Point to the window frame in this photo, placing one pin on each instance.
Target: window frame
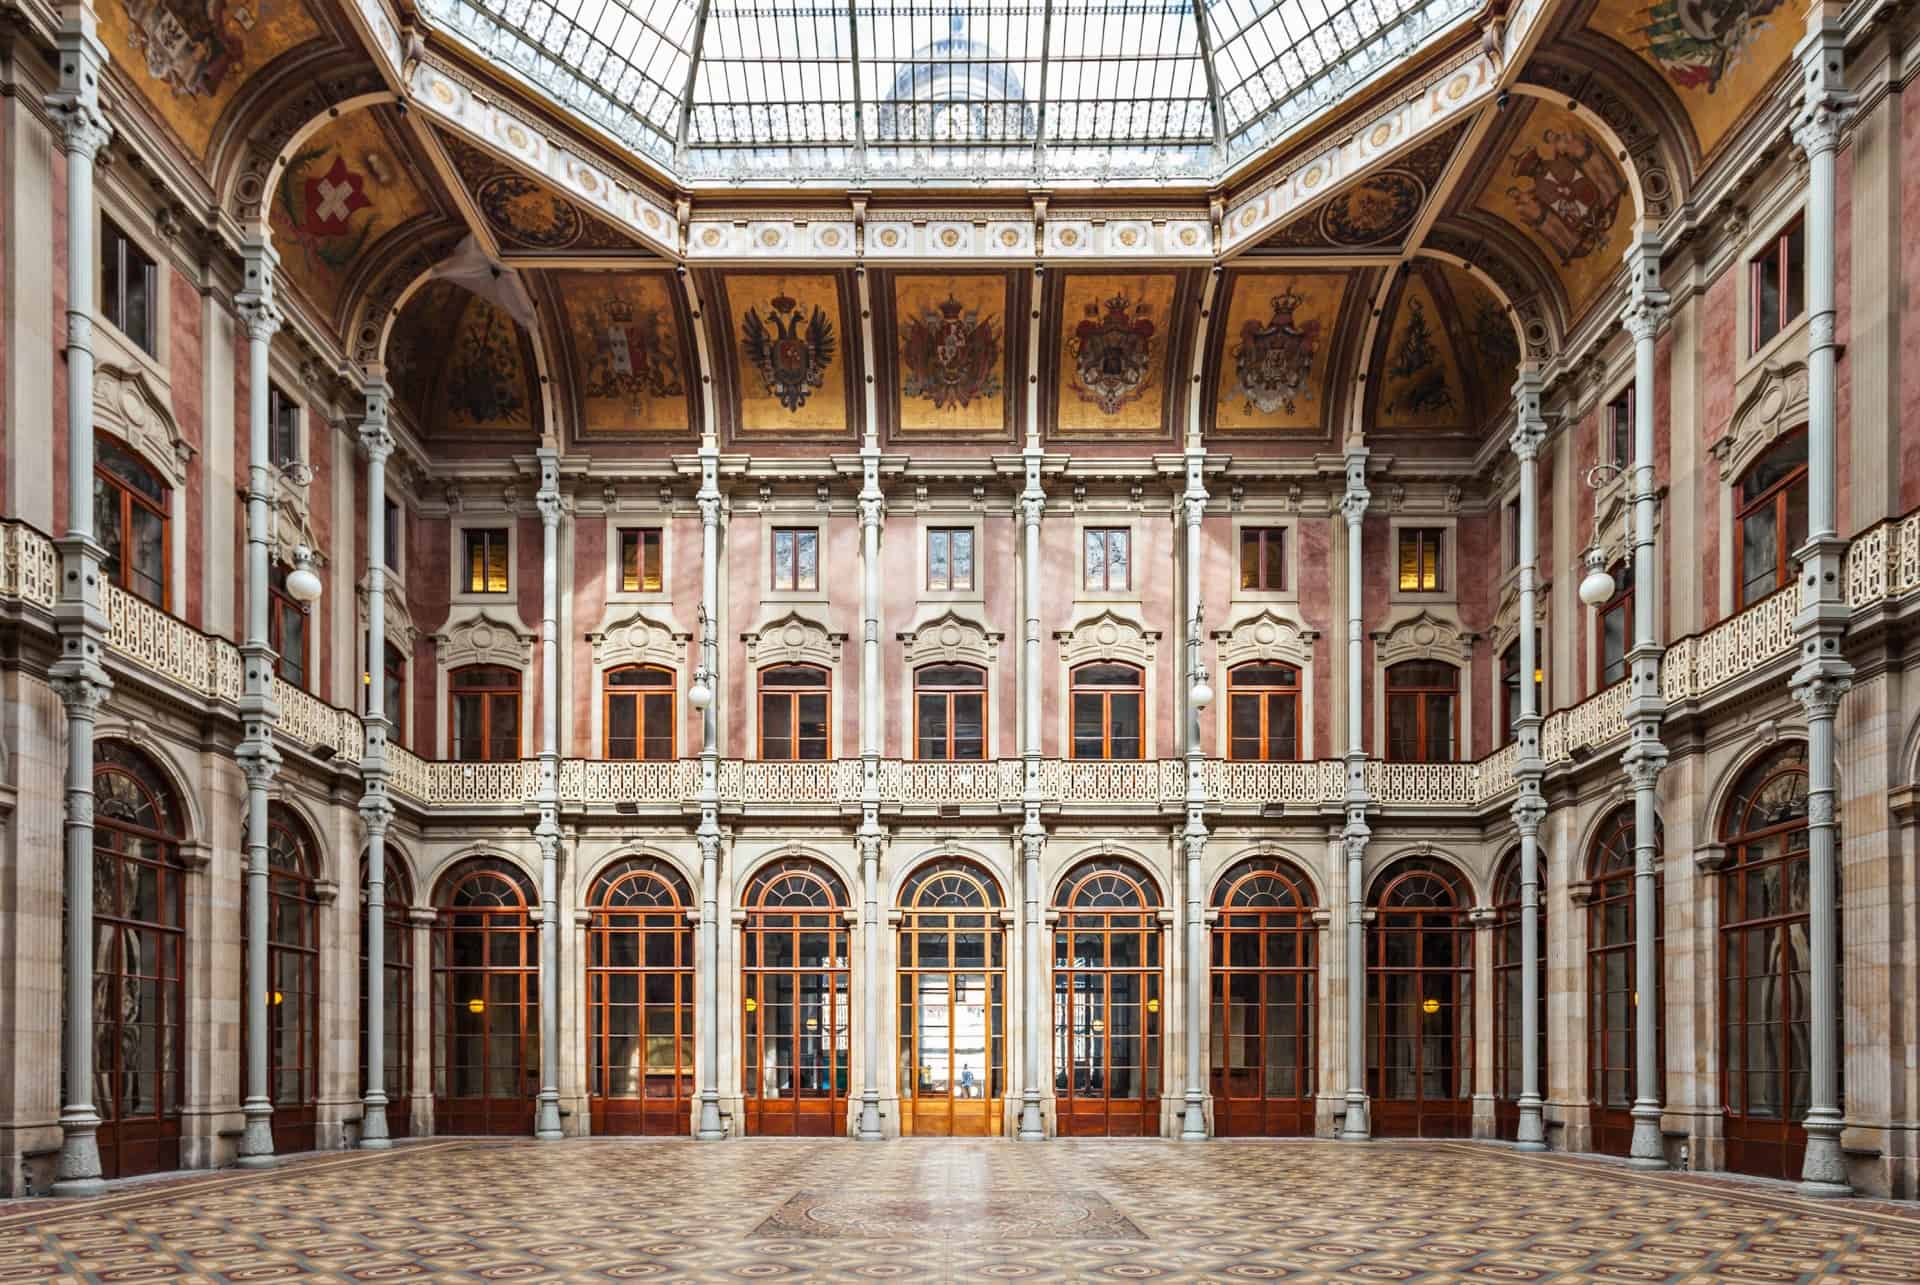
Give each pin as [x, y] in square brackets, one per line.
[1420, 710]
[490, 695]
[1419, 534]
[278, 602]
[395, 679]
[1616, 430]
[128, 253]
[1777, 253]
[1510, 691]
[799, 534]
[1262, 535]
[486, 531]
[1265, 693]
[640, 536]
[792, 695]
[1108, 536]
[394, 524]
[285, 416]
[951, 693]
[1776, 497]
[128, 498]
[1621, 602]
[609, 693]
[1138, 690]
[953, 584]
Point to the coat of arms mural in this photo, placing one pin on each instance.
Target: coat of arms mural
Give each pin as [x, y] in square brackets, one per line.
[790, 346]
[627, 347]
[950, 355]
[1273, 346]
[789, 371]
[1559, 186]
[636, 358]
[1273, 359]
[1113, 348]
[342, 192]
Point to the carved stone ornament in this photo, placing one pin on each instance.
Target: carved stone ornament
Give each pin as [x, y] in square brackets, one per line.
[1776, 403]
[793, 640]
[1107, 636]
[127, 405]
[639, 639]
[1424, 637]
[1265, 636]
[484, 639]
[401, 631]
[951, 639]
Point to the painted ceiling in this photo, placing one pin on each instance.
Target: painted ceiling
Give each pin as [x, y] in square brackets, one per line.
[524, 215]
[462, 367]
[1446, 355]
[625, 346]
[1376, 212]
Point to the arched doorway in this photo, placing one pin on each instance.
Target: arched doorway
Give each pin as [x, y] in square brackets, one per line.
[796, 1054]
[1420, 1002]
[1106, 1002]
[293, 981]
[953, 1002]
[139, 963]
[1264, 1002]
[1509, 1026]
[486, 1000]
[396, 994]
[1765, 967]
[640, 966]
[1612, 1043]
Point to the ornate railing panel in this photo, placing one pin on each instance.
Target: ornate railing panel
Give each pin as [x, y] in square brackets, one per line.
[407, 773]
[1424, 784]
[913, 783]
[482, 784]
[1312, 782]
[165, 644]
[1085, 781]
[29, 566]
[1743, 643]
[811, 783]
[601, 781]
[1884, 562]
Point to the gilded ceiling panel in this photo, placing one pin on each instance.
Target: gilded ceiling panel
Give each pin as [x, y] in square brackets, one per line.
[1376, 212]
[1418, 376]
[461, 365]
[787, 354]
[1115, 333]
[524, 214]
[951, 336]
[1275, 349]
[628, 351]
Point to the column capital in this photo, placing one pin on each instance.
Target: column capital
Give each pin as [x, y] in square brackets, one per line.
[75, 101]
[1646, 309]
[1818, 687]
[1826, 105]
[376, 433]
[259, 311]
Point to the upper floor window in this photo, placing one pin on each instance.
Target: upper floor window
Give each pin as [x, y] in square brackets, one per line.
[1263, 712]
[795, 705]
[1263, 558]
[390, 515]
[1510, 531]
[1420, 559]
[638, 718]
[129, 285]
[1776, 284]
[283, 427]
[287, 627]
[487, 559]
[1771, 521]
[1423, 699]
[950, 713]
[796, 558]
[1107, 720]
[950, 558]
[394, 677]
[1616, 430]
[486, 713]
[130, 520]
[1616, 625]
[1109, 559]
[641, 567]
[1510, 688]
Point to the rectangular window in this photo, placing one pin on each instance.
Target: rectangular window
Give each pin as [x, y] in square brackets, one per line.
[950, 558]
[1777, 284]
[283, 427]
[1616, 626]
[639, 713]
[1616, 445]
[487, 560]
[129, 285]
[1420, 559]
[640, 564]
[1109, 559]
[486, 714]
[1263, 558]
[391, 517]
[395, 687]
[286, 628]
[1510, 520]
[796, 558]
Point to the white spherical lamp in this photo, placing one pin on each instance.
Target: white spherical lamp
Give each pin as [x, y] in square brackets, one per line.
[1202, 693]
[1597, 589]
[700, 695]
[303, 586]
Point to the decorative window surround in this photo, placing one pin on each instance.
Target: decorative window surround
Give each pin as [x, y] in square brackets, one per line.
[1264, 636]
[949, 639]
[1423, 636]
[130, 404]
[110, 342]
[1114, 520]
[1289, 524]
[475, 636]
[795, 640]
[1107, 635]
[1790, 344]
[1448, 594]
[457, 554]
[634, 638]
[1775, 403]
[633, 520]
[926, 522]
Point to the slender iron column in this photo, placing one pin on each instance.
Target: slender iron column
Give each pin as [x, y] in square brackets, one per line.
[258, 758]
[1353, 506]
[546, 1118]
[376, 808]
[1530, 808]
[710, 1128]
[80, 676]
[1193, 1127]
[1824, 674]
[872, 509]
[1645, 755]
[1033, 835]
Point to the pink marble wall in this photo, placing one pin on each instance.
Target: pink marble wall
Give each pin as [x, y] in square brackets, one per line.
[1909, 400]
[1546, 571]
[1316, 608]
[1843, 330]
[1479, 556]
[320, 678]
[428, 595]
[55, 359]
[529, 598]
[590, 590]
[1584, 440]
[1662, 439]
[187, 352]
[1376, 580]
[744, 574]
[1719, 340]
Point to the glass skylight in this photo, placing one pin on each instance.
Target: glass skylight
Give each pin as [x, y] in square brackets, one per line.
[902, 91]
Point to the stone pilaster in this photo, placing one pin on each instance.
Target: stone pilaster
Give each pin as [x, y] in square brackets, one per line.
[706, 678]
[1355, 834]
[1193, 842]
[546, 832]
[1530, 806]
[872, 512]
[1033, 835]
[376, 808]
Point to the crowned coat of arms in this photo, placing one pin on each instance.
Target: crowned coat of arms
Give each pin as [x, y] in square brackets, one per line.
[791, 350]
[1698, 41]
[634, 357]
[949, 355]
[1570, 194]
[190, 47]
[1113, 349]
[1273, 359]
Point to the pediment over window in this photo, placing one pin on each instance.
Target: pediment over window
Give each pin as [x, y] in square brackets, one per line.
[484, 639]
[1423, 637]
[401, 631]
[1777, 403]
[1107, 635]
[639, 639]
[951, 639]
[1264, 636]
[127, 404]
[793, 640]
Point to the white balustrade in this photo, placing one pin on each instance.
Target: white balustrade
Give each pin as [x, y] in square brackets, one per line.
[1279, 783]
[1738, 646]
[911, 783]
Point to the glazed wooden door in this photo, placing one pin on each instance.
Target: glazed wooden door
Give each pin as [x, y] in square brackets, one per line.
[952, 1003]
[486, 1002]
[1261, 1023]
[1420, 1003]
[640, 966]
[1509, 1027]
[1612, 1038]
[395, 998]
[797, 1045]
[1107, 976]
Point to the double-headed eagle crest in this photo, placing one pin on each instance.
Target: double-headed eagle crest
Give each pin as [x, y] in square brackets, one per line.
[791, 351]
[949, 355]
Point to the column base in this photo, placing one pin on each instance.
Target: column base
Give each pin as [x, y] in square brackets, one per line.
[1354, 1126]
[1647, 1150]
[1033, 1124]
[869, 1128]
[710, 1129]
[1824, 1172]
[256, 1139]
[1532, 1133]
[76, 1170]
[373, 1124]
[1193, 1120]
[546, 1119]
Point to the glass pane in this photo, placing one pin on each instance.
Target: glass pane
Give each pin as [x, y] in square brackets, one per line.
[1759, 554]
[932, 721]
[969, 726]
[1249, 559]
[776, 727]
[629, 561]
[623, 720]
[1096, 560]
[1124, 715]
[1119, 554]
[812, 725]
[939, 571]
[657, 725]
[783, 559]
[651, 568]
[808, 571]
[1089, 725]
[145, 554]
[963, 559]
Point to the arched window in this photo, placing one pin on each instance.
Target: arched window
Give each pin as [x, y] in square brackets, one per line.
[293, 981]
[1612, 998]
[1765, 921]
[396, 993]
[1423, 716]
[950, 713]
[796, 705]
[130, 505]
[485, 713]
[1509, 1029]
[1510, 688]
[486, 1000]
[1263, 1001]
[139, 963]
[1106, 1001]
[1107, 720]
[640, 964]
[638, 718]
[953, 1001]
[797, 1022]
[1770, 520]
[1420, 1002]
[1616, 625]
[1263, 712]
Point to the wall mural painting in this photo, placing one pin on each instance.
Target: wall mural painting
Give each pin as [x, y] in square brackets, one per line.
[1558, 185]
[525, 214]
[1717, 55]
[189, 60]
[347, 187]
[1491, 348]
[486, 379]
[952, 333]
[788, 339]
[628, 350]
[1273, 362]
[1113, 351]
[1420, 384]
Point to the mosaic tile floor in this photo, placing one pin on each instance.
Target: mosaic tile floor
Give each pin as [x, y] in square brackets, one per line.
[961, 1210]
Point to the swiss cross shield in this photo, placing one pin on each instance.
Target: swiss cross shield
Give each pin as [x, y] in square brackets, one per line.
[332, 198]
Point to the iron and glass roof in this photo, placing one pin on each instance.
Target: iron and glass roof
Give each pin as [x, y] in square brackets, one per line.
[906, 91]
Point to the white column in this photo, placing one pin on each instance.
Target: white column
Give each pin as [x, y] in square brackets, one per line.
[1193, 1124]
[1645, 755]
[546, 1117]
[1824, 674]
[1530, 807]
[376, 808]
[1033, 835]
[79, 675]
[872, 509]
[1353, 506]
[706, 678]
